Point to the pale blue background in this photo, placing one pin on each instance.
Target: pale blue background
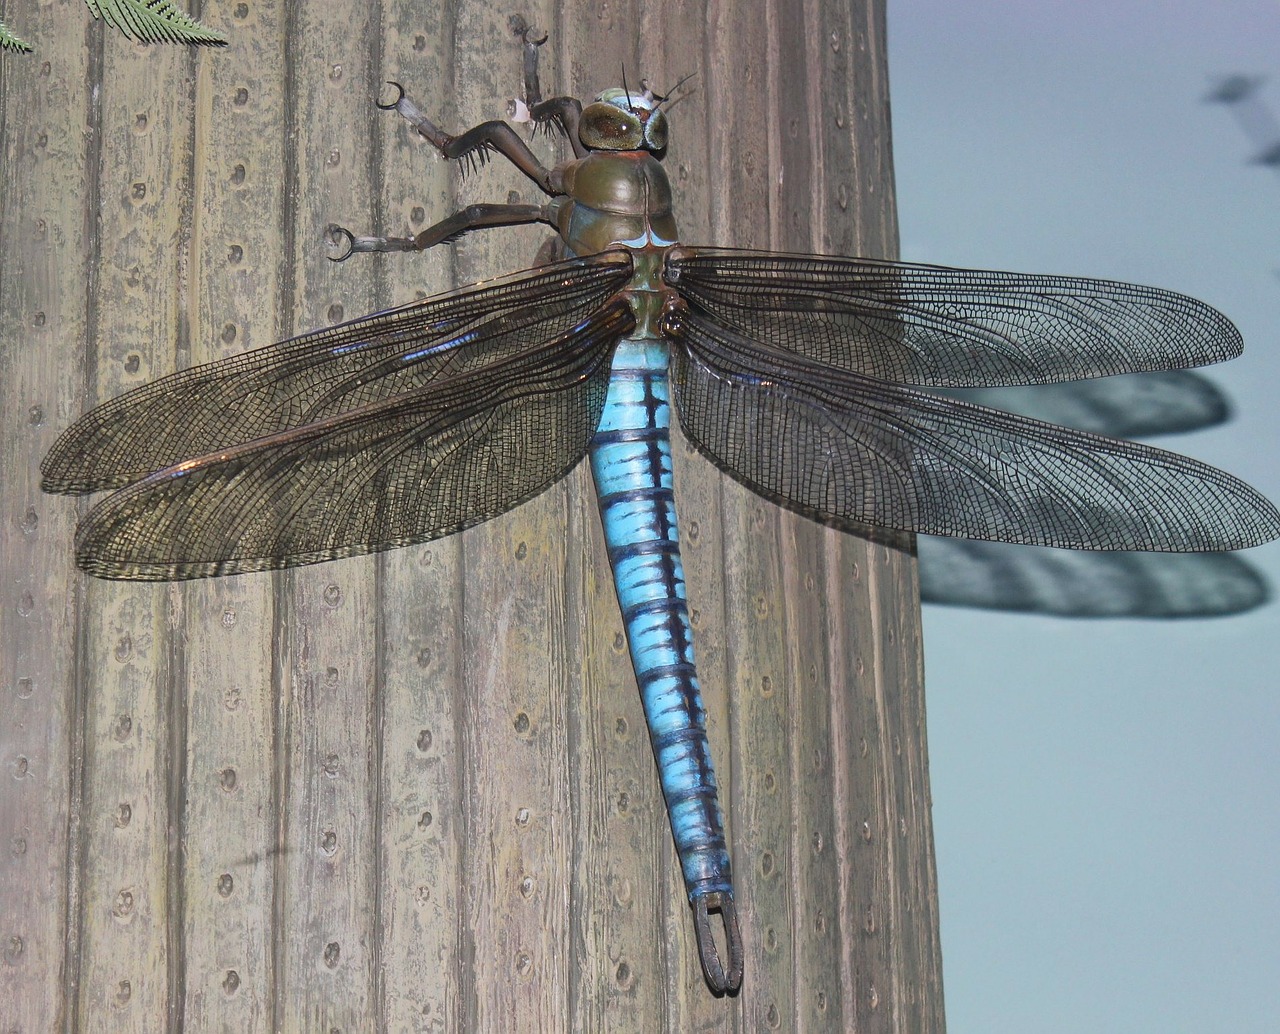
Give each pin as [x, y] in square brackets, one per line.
[1106, 793]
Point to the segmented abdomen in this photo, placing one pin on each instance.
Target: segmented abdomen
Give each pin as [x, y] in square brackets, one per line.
[631, 461]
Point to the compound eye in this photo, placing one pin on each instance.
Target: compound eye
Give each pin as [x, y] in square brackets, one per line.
[655, 132]
[608, 128]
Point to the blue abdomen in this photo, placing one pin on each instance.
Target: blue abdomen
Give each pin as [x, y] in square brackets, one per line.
[631, 461]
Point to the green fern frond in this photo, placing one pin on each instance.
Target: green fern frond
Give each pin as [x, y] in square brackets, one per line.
[154, 21]
[10, 41]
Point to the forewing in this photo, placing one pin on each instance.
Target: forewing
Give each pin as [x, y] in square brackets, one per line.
[422, 464]
[310, 378]
[853, 449]
[941, 327]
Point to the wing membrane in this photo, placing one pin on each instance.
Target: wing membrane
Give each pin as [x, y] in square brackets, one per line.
[406, 469]
[854, 449]
[941, 327]
[310, 378]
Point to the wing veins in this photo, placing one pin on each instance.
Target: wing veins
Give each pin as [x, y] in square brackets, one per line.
[244, 397]
[970, 471]
[937, 326]
[252, 498]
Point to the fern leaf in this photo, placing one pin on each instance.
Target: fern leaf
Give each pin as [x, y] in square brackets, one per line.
[10, 41]
[154, 21]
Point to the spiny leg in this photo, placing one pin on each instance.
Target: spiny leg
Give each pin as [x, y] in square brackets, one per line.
[561, 112]
[446, 231]
[475, 144]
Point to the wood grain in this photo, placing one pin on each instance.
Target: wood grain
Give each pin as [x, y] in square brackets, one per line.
[415, 792]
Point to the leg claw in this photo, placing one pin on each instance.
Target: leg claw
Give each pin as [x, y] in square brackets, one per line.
[335, 236]
[395, 103]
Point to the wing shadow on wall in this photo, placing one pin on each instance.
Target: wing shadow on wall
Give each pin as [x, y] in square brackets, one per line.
[1067, 583]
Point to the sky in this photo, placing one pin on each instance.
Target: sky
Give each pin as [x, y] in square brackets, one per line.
[1106, 792]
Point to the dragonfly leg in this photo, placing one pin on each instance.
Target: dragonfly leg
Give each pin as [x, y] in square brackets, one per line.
[475, 145]
[721, 979]
[446, 231]
[340, 235]
[561, 112]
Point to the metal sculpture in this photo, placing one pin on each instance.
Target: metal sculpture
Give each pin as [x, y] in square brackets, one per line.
[790, 372]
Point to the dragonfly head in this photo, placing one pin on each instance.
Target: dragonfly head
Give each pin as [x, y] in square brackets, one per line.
[624, 120]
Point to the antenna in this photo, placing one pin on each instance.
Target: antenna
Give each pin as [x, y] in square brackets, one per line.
[630, 106]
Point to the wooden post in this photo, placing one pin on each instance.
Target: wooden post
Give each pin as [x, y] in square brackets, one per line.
[415, 792]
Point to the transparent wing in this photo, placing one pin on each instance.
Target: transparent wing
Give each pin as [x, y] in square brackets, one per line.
[854, 449]
[405, 469]
[310, 378]
[941, 327]
[1070, 583]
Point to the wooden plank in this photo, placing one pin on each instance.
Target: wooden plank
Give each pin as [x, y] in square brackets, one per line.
[760, 692]
[514, 626]
[130, 959]
[45, 269]
[890, 898]
[238, 257]
[327, 924]
[804, 156]
[421, 879]
[415, 791]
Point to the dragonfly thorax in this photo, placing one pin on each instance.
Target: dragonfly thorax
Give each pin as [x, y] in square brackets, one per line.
[614, 198]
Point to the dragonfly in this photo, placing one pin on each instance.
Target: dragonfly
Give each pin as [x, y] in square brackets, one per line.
[802, 376]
